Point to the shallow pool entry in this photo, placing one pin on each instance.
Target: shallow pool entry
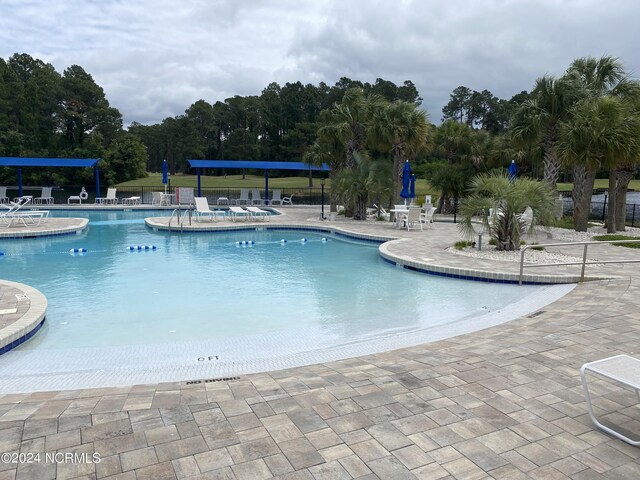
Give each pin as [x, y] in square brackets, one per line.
[205, 304]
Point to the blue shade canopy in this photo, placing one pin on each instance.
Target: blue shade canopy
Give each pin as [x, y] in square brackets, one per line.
[259, 164]
[47, 162]
[406, 180]
[412, 186]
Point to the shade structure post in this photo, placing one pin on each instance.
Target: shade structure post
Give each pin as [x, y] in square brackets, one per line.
[199, 185]
[266, 186]
[322, 198]
[19, 181]
[97, 173]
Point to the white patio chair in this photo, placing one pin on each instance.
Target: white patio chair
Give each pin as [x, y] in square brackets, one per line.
[156, 198]
[259, 213]
[3, 195]
[256, 199]
[202, 210]
[412, 218]
[277, 197]
[427, 216]
[244, 197]
[287, 200]
[526, 218]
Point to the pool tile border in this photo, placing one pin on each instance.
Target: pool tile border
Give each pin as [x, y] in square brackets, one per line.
[384, 241]
[29, 323]
[42, 231]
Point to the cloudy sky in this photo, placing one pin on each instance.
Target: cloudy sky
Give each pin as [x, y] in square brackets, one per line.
[154, 58]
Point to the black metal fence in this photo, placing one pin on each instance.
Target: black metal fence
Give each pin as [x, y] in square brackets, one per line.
[598, 211]
[300, 195]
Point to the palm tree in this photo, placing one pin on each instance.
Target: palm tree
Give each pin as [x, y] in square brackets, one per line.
[451, 180]
[347, 122]
[536, 121]
[606, 77]
[601, 134]
[365, 180]
[344, 128]
[402, 128]
[509, 200]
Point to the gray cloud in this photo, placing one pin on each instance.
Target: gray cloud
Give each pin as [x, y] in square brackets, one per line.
[155, 58]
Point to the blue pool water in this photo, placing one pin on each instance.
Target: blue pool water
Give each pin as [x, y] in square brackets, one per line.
[203, 288]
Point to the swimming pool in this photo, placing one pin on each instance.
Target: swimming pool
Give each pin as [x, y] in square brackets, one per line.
[201, 304]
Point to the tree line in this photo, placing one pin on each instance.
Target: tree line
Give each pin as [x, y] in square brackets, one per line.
[278, 125]
[578, 125]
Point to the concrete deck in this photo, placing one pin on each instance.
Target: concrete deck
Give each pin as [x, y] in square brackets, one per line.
[505, 402]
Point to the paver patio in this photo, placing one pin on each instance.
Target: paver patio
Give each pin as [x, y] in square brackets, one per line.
[503, 403]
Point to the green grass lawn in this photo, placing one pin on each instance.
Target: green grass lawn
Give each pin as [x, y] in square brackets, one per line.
[599, 183]
[250, 181]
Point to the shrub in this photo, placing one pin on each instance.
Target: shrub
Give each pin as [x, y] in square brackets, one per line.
[461, 245]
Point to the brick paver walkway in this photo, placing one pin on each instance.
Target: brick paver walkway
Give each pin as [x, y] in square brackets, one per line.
[503, 403]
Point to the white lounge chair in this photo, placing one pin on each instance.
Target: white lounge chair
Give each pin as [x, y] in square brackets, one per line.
[379, 211]
[256, 199]
[45, 197]
[277, 197]
[244, 197]
[202, 210]
[619, 369]
[83, 195]
[412, 218]
[110, 199]
[135, 200]
[10, 209]
[28, 218]
[239, 212]
[3, 195]
[259, 213]
[287, 200]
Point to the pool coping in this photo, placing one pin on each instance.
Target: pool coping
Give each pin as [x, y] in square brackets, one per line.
[31, 320]
[386, 241]
[48, 228]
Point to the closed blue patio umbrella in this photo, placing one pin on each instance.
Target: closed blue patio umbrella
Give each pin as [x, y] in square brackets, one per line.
[512, 170]
[165, 174]
[406, 182]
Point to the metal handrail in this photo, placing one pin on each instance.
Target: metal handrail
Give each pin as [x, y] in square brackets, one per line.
[181, 215]
[584, 256]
